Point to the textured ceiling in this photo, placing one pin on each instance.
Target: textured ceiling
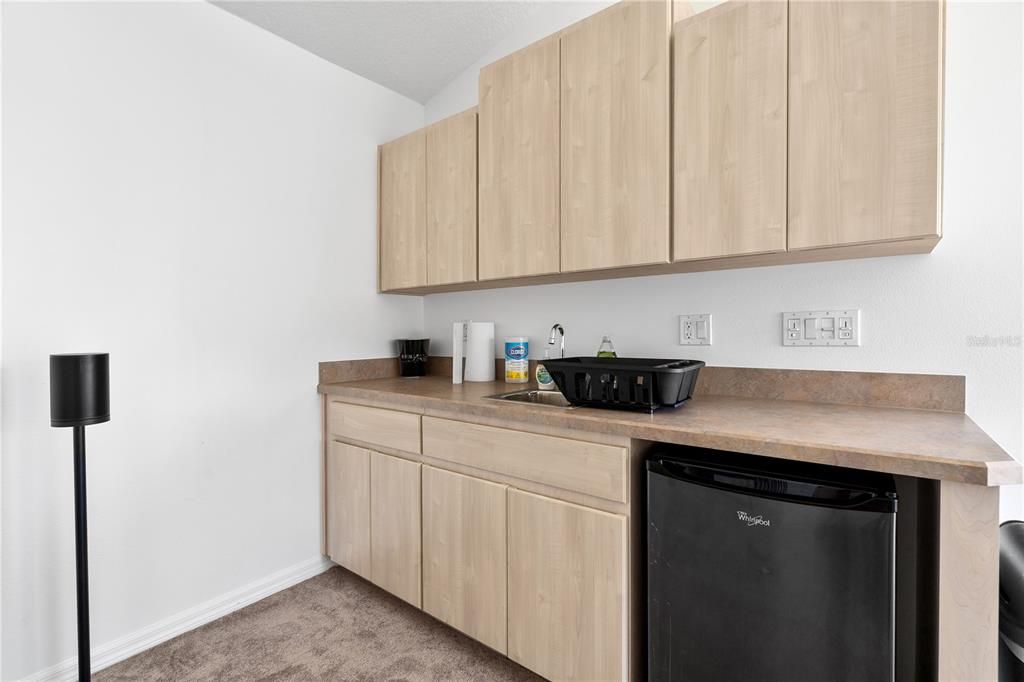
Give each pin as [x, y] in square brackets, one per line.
[414, 48]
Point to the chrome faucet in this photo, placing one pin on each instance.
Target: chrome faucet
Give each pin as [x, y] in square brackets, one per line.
[551, 339]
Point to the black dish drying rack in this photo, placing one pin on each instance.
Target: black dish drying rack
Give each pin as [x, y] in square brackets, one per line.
[644, 384]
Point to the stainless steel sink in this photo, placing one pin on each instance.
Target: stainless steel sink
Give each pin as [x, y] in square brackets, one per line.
[534, 397]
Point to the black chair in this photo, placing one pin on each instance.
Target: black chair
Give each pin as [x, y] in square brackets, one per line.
[1011, 601]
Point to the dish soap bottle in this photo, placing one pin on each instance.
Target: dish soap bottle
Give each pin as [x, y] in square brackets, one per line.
[606, 349]
[544, 380]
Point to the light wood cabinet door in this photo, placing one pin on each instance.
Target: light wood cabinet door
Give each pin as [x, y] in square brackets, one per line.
[615, 138]
[865, 110]
[395, 526]
[403, 212]
[348, 507]
[519, 163]
[464, 554]
[451, 199]
[729, 131]
[567, 592]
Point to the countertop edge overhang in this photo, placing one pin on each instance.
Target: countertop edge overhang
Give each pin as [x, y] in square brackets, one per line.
[928, 444]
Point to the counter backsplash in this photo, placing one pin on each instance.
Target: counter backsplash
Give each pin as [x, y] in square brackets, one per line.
[945, 393]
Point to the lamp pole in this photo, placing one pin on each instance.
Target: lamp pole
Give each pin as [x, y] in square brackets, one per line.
[80, 396]
[82, 558]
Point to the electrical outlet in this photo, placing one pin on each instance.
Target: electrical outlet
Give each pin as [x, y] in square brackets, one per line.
[695, 330]
[821, 328]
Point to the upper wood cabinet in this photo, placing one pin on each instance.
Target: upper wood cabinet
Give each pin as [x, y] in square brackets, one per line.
[395, 526]
[402, 212]
[465, 561]
[451, 199]
[615, 138]
[519, 164]
[760, 133]
[347, 506]
[865, 113]
[428, 210]
[729, 131]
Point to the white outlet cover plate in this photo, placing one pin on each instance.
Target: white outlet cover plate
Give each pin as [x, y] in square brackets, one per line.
[836, 327]
[695, 330]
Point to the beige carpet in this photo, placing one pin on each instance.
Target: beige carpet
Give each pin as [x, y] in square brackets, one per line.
[335, 626]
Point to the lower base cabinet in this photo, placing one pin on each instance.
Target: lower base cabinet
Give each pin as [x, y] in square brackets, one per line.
[395, 526]
[567, 589]
[465, 562]
[540, 580]
[348, 507]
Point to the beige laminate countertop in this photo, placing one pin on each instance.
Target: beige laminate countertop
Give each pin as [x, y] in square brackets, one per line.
[922, 443]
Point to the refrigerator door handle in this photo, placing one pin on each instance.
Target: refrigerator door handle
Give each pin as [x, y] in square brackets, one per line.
[746, 483]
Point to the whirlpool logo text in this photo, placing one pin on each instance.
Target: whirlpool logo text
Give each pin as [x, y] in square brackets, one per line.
[753, 520]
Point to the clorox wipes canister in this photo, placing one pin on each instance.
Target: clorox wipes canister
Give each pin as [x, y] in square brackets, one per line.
[517, 359]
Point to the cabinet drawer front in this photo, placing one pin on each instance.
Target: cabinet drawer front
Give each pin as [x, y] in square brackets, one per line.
[588, 468]
[398, 430]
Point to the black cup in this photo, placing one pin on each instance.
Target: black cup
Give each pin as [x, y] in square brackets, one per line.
[412, 356]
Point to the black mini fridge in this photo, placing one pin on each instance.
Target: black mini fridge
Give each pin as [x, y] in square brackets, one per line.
[762, 569]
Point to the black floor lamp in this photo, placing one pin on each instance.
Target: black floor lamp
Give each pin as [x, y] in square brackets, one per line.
[80, 396]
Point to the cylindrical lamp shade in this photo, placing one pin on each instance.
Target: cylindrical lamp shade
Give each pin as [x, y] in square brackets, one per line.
[79, 389]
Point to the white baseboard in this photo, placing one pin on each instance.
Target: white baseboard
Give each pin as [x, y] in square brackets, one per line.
[135, 642]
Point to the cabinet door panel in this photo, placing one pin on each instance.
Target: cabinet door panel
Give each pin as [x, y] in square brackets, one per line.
[464, 554]
[615, 138]
[519, 163]
[451, 200]
[729, 131]
[865, 108]
[403, 217]
[348, 507]
[395, 526]
[567, 596]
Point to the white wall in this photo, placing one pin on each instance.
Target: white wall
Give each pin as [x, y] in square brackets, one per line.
[547, 18]
[197, 197]
[918, 311]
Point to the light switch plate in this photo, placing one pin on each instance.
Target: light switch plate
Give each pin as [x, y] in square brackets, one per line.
[695, 330]
[821, 328]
